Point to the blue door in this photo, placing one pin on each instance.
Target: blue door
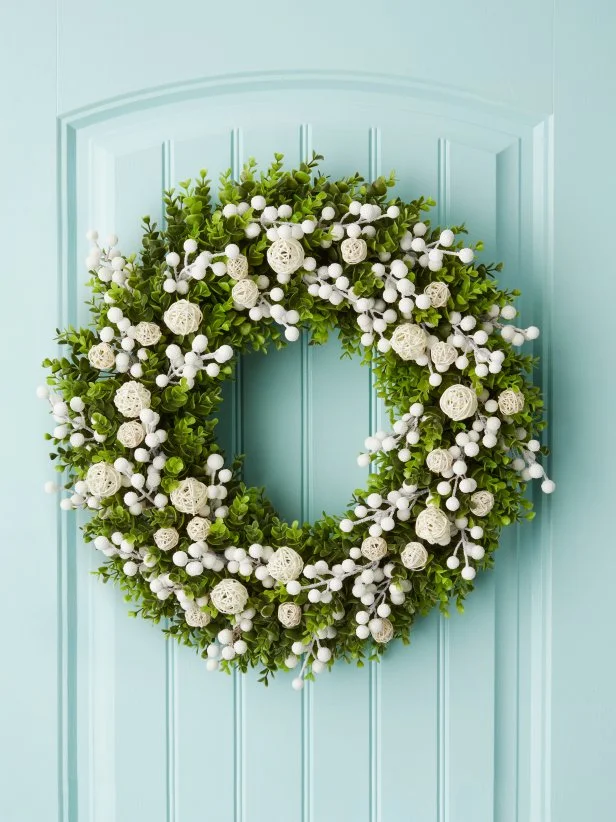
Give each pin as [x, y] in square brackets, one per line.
[503, 115]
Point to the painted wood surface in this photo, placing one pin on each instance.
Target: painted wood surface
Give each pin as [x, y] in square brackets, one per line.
[503, 714]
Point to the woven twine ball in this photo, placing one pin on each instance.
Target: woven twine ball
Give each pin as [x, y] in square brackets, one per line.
[183, 317]
[245, 293]
[439, 460]
[289, 614]
[414, 556]
[381, 629]
[229, 597]
[285, 564]
[198, 528]
[166, 538]
[409, 341]
[147, 333]
[237, 267]
[374, 548]
[131, 434]
[482, 503]
[197, 618]
[285, 256]
[189, 496]
[354, 250]
[433, 526]
[443, 354]
[438, 293]
[103, 480]
[131, 398]
[458, 402]
[101, 356]
[510, 402]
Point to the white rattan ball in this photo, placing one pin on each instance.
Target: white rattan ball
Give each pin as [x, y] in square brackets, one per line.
[285, 256]
[166, 538]
[245, 293]
[147, 333]
[183, 317]
[381, 629]
[510, 402]
[354, 250]
[103, 480]
[190, 496]
[458, 402]
[131, 434]
[229, 597]
[409, 341]
[132, 398]
[237, 267]
[414, 556]
[433, 526]
[285, 564]
[482, 503]
[374, 548]
[439, 460]
[289, 614]
[197, 618]
[438, 294]
[443, 354]
[198, 528]
[101, 356]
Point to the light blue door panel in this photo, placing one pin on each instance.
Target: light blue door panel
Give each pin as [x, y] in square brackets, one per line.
[300, 415]
[503, 714]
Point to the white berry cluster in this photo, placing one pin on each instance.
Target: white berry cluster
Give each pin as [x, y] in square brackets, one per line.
[382, 513]
[107, 262]
[194, 266]
[405, 432]
[123, 349]
[71, 423]
[186, 365]
[527, 464]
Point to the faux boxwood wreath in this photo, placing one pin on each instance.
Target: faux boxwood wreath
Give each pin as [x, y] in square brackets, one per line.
[135, 399]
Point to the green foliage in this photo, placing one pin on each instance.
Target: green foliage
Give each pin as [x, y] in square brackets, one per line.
[188, 415]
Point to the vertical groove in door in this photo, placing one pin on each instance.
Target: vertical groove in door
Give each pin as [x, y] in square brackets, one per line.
[442, 722]
[66, 529]
[92, 735]
[305, 151]
[305, 142]
[509, 604]
[306, 502]
[171, 729]
[375, 422]
[239, 681]
[237, 440]
[236, 158]
[442, 706]
[518, 680]
[171, 740]
[541, 661]
[444, 181]
[374, 417]
[517, 548]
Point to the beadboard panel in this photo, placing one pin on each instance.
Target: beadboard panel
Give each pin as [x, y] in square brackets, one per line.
[504, 714]
[300, 415]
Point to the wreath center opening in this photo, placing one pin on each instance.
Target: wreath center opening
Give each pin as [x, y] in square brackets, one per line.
[288, 414]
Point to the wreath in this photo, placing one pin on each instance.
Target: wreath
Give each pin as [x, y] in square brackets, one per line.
[135, 401]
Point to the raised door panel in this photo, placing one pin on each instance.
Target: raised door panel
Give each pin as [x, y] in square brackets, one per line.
[301, 415]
